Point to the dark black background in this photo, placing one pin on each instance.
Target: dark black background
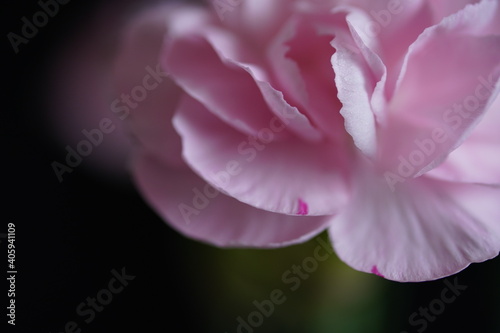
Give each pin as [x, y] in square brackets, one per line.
[71, 235]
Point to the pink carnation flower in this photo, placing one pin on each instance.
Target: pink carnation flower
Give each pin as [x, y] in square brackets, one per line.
[374, 120]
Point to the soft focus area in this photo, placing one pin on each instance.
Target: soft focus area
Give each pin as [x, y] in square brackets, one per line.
[92, 254]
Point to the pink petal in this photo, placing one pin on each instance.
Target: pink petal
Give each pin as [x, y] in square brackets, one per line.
[444, 65]
[388, 27]
[367, 62]
[286, 72]
[267, 174]
[311, 50]
[444, 8]
[356, 52]
[427, 230]
[245, 99]
[138, 69]
[375, 271]
[355, 84]
[198, 211]
[477, 159]
[224, 44]
[241, 18]
[296, 121]
[225, 88]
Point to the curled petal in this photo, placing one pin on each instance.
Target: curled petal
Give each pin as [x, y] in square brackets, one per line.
[268, 174]
[197, 210]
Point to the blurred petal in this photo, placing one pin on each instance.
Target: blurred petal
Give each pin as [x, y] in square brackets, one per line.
[180, 197]
[477, 159]
[80, 90]
[271, 15]
[148, 98]
[444, 8]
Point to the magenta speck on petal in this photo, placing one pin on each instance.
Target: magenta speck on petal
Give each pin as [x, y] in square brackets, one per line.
[376, 272]
[303, 208]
